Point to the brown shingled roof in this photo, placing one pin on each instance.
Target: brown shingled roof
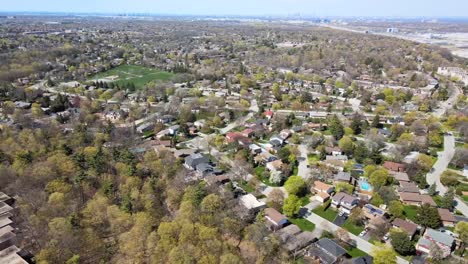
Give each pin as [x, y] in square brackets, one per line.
[409, 227]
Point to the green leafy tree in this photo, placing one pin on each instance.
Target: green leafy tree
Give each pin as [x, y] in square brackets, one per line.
[383, 254]
[462, 230]
[292, 205]
[344, 187]
[379, 178]
[295, 185]
[401, 242]
[347, 145]
[396, 208]
[428, 216]
[336, 127]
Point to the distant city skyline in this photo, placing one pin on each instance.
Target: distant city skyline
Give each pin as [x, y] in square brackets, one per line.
[344, 8]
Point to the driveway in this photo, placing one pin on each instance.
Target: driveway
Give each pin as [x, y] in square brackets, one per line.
[339, 220]
[357, 241]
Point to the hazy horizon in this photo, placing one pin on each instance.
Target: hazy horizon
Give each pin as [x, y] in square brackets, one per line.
[339, 8]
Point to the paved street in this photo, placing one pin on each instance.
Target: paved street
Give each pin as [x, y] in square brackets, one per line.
[440, 166]
[360, 243]
[303, 170]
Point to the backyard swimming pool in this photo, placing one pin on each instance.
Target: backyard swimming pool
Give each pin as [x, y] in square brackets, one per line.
[364, 185]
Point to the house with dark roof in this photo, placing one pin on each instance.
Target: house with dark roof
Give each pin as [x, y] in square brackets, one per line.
[360, 260]
[408, 227]
[342, 177]
[326, 251]
[192, 161]
[372, 212]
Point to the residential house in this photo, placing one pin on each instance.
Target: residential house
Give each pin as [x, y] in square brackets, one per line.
[251, 203]
[396, 120]
[394, 166]
[447, 218]
[334, 151]
[325, 251]
[299, 241]
[268, 114]
[322, 197]
[145, 127]
[173, 130]
[342, 158]
[445, 242]
[275, 219]
[12, 255]
[285, 133]
[265, 157]
[400, 176]
[287, 232]
[408, 227]
[276, 141]
[248, 132]
[192, 161]
[7, 237]
[255, 149]
[372, 212]
[342, 177]
[182, 153]
[274, 166]
[323, 187]
[416, 199]
[408, 187]
[344, 201]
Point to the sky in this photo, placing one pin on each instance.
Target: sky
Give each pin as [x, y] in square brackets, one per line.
[369, 8]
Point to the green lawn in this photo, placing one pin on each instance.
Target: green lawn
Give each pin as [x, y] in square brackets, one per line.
[410, 211]
[328, 214]
[465, 198]
[305, 200]
[356, 252]
[303, 224]
[354, 229]
[138, 75]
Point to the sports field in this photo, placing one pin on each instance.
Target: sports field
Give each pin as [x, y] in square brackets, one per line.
[138, 75]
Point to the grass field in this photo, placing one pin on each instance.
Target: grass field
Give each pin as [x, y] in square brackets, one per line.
[138, 75]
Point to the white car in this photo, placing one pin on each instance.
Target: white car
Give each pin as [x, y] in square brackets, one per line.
[363, 233]
[386, 237]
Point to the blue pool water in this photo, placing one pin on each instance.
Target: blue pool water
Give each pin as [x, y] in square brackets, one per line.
[364, 186]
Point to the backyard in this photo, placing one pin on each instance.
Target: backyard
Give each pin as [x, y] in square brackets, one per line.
[410, 211]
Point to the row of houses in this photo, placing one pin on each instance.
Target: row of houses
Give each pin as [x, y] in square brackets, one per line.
[9, 252]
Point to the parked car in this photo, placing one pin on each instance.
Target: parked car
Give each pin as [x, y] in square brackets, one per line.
[363, 233]
[386, 237]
